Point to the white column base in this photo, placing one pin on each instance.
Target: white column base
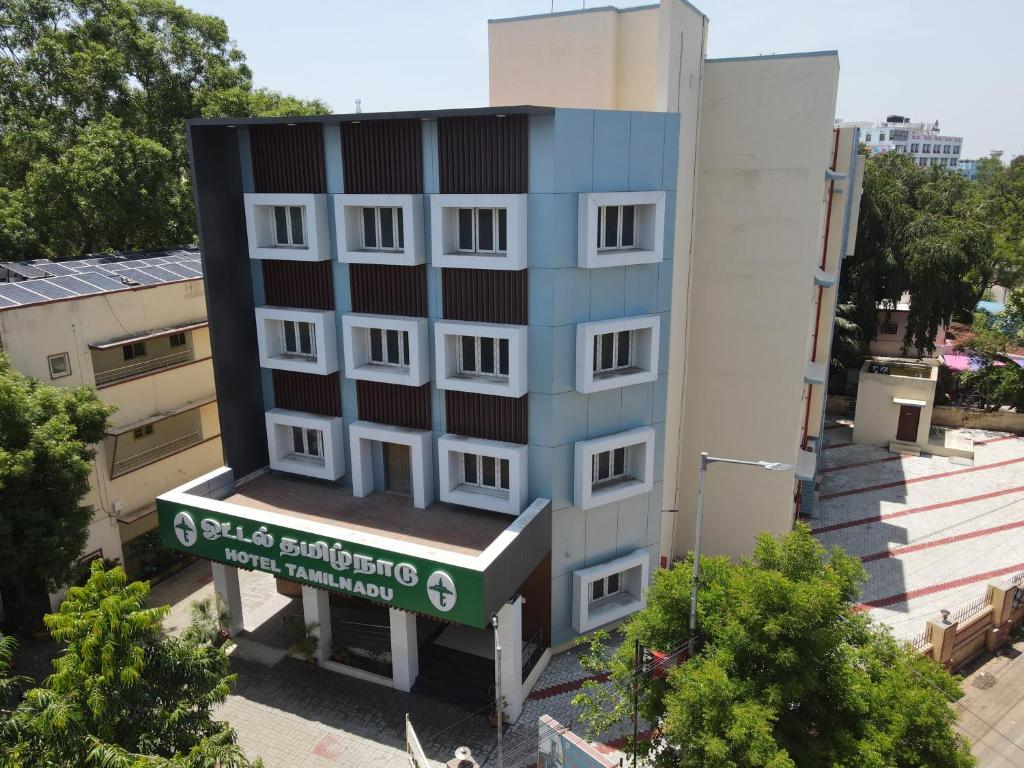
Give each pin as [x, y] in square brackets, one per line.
[316, 609]
[228, 595]
[405, 650]
[510, 634]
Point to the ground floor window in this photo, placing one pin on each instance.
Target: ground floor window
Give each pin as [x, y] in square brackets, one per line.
[307, 442]
[486, 472]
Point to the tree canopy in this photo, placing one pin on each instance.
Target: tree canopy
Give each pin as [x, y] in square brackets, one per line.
[786, 675]
[933, 234]
[93, 99]
[47, 435]
[122, 694]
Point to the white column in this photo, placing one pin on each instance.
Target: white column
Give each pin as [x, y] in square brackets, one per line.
[228, 595]
[316, 609]
[510, 633]
[405, 650]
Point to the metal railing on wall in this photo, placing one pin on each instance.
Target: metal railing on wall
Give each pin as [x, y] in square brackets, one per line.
[113, 375]
[156, 453]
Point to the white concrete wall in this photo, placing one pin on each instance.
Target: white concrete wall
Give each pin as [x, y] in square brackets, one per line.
[877, 416]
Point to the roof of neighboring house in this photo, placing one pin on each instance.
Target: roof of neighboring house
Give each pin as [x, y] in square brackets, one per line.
[40, 280]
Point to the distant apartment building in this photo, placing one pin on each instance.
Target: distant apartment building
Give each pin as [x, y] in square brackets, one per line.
[445, 335]
[923, 142]
[132, 326]
[761, 228]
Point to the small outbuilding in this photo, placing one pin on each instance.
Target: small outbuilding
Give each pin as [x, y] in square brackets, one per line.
[894, 403]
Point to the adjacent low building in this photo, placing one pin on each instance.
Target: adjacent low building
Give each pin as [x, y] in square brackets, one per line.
[445, 338]
[133, 326]
[895, 397]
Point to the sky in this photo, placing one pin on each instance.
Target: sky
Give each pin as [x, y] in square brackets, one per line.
[956, 62]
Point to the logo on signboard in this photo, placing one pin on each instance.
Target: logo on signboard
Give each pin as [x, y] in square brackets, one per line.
[185, 529]
[441, 591]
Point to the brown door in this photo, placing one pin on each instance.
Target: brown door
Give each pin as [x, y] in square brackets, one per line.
[910, 417]
[397, 469]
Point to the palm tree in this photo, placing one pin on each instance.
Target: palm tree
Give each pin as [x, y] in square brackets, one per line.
[847, 338]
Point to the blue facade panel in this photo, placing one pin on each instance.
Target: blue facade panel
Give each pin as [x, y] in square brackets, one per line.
[646, 151]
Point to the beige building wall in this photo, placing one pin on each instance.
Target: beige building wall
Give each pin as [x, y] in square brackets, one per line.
[766, 142]
[176, 401]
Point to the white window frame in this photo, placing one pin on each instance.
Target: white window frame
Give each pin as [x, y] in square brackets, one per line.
[397, 228]
[329, 465]
[66, 358]
[602, 244]
[261, 227]
[289, 225]
[452, 449]
[297, 338]
[307, 444]
[385, 346]
[446, 249]
[448, 358]
[648, 229]
[501, 473]
[633, 571]
[478, 357]
[414, 370]
[606, 591]
[351, 244]
[613, 474]
[270, 338]
[497, 228]
[638, 478]
[599, 369]
[645, 353]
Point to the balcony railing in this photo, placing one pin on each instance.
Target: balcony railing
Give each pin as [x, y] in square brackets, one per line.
[156, 453]
[113, 375]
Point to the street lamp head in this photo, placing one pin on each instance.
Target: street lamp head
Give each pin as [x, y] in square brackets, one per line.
[774, 466]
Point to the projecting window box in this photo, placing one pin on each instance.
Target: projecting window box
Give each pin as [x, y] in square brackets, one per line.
[610, 591]
[613, 467]
[620, 228]
[386, 348]
[380, 229]
[617, 353]
[478, 231]
[305, 444]
[287, 227]
[485, 358]
[485, 474]
[300, 340]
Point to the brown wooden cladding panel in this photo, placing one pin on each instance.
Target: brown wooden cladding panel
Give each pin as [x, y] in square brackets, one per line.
[394, 404]
[308, 392]
[484, 295]
[382, 157]
[478, 155]
[288, 159]
[536, 591]
[489, 417]
[300, 284]
[383, 289]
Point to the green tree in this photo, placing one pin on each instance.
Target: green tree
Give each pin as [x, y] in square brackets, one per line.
[93, 99]
[787, 675]
[47, 435]
[124, 695]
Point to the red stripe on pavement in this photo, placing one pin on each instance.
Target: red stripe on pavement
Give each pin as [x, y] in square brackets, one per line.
[915, 510]
[859, 464]
[617, 744]
[997, 439]
[937, 476]
[835, 445]
[572, 685]
[903, 597]
[940, 542]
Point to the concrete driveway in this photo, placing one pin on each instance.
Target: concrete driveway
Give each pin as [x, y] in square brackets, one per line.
[930, 532]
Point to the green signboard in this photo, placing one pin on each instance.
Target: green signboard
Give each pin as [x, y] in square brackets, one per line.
[415, 584]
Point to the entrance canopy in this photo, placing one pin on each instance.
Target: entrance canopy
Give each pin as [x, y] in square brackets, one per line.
[450, 562]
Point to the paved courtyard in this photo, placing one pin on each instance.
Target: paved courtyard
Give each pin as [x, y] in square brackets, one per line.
[931, 531]
[293, 718]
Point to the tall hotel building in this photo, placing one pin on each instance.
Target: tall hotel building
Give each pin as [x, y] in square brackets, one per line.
[441, 342]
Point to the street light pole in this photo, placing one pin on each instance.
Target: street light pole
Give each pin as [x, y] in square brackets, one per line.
[705, 462]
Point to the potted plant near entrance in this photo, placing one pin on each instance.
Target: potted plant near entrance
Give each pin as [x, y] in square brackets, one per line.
[492, 718]
[210, 621]
[307, 644]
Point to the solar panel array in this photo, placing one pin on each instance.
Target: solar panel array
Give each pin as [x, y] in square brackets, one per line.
[45, 280]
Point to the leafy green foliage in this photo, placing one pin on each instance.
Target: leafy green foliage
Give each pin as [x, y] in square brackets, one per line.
[995, 385]
[787, 674]
[122, 694]
[930, 233]
[46, 452]
[93, 99]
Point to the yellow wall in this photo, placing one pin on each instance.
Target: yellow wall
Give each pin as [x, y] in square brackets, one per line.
[765, 144]
[877, 415]
[31, 333]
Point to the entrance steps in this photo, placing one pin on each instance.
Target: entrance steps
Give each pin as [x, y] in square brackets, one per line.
[904, 448]
[456, 677]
